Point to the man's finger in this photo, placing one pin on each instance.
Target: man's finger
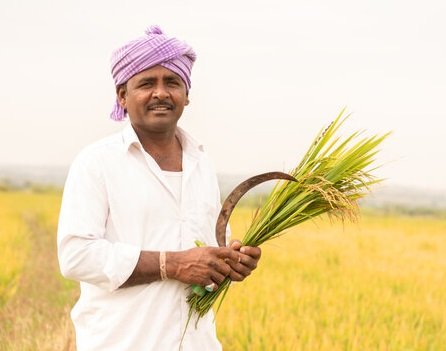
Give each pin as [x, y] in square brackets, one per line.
[211, 287]
[235, 245]
[222, 266]
[237, 277]
[218, 278]
[247, 261]
[226, 252]
[254, 252]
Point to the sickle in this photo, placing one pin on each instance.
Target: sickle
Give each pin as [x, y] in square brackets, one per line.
[235, 196]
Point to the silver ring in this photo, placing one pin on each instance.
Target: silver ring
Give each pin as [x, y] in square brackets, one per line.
[210, 287]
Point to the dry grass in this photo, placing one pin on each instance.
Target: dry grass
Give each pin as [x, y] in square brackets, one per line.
[379, 284]
[376, 285]
[34, 315]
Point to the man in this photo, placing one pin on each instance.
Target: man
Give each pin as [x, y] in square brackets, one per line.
[133, 205]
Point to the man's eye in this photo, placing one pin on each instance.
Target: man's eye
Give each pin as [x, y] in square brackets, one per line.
[146, 85]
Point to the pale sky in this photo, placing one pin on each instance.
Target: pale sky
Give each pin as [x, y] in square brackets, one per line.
[269, 76]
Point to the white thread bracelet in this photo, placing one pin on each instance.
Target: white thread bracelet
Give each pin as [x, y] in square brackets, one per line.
[163, 272]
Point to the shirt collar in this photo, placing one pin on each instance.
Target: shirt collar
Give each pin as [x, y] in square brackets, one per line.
[190, 146]
[130, 138]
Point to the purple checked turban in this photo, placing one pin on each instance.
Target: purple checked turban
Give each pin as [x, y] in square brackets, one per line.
[146, 52]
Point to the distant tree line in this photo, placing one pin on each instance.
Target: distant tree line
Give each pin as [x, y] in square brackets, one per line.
[8, 185]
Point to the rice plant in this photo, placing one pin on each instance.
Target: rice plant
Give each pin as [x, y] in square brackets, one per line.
[334, 173]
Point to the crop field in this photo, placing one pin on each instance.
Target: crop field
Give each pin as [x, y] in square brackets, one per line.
[379, 284]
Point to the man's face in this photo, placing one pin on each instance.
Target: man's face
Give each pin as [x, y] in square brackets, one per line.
[154, 100]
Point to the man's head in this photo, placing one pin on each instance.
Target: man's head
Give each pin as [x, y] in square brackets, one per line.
[155, 49]
[154, 100]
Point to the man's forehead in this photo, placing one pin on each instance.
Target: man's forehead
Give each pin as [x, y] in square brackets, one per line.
[157, 72]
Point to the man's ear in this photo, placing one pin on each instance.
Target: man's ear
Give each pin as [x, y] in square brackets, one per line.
[187, 101]
[121, 94]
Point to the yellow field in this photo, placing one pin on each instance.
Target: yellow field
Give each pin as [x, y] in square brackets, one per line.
[379, 284]
[34, 299]
[18, 210]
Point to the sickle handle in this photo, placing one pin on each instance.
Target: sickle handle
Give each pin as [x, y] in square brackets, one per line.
[236, 194]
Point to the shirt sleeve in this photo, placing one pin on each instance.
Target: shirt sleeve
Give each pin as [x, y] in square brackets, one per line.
[84, 253]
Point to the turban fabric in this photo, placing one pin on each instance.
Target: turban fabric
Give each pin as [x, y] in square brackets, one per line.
[146, 52]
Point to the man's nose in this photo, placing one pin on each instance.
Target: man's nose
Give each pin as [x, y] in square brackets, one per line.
[160, 91]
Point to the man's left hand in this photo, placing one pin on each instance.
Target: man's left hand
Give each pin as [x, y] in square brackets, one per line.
[248, 258]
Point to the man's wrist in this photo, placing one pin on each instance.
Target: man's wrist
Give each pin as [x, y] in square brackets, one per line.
[172, 264]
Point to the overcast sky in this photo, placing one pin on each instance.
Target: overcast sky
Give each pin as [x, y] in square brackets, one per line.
[269, 76]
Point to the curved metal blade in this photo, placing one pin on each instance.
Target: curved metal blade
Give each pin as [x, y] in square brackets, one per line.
[236, 195]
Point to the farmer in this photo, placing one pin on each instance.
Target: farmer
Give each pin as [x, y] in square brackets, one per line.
[134, 204]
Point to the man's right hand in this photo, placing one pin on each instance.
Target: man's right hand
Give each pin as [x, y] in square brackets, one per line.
[201, 265]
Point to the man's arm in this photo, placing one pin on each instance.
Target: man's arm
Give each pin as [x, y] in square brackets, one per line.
[201, 266]
[84, 253]
[87, 256]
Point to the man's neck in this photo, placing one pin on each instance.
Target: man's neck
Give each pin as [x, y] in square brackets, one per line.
[165, 148]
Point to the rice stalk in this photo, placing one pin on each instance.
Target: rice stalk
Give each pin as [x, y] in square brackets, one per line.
[331, 177]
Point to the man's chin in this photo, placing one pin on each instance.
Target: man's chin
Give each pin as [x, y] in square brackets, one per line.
[160, 126]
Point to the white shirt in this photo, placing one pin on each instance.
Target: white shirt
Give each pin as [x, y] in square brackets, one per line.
[117, 202]
[175, 179]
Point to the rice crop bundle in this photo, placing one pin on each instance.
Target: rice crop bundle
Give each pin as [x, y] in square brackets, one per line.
[334, 173]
